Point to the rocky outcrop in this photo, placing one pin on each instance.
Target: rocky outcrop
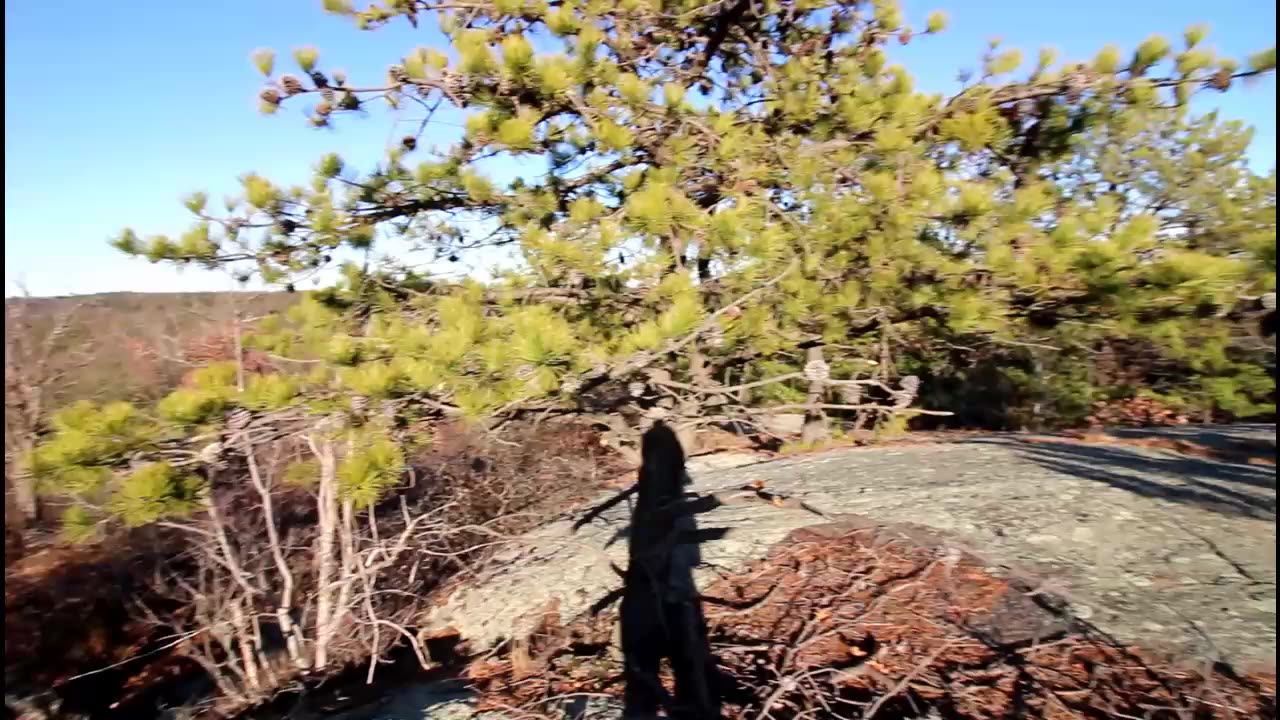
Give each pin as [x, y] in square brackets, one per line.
[1158, 549]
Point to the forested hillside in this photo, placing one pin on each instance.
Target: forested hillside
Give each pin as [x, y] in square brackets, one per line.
[131, 346]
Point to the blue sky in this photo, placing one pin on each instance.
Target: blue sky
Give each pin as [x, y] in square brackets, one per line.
[115, 110]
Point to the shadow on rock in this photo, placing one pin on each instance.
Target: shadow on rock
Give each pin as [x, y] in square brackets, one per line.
[661, 615]
[1229, 488]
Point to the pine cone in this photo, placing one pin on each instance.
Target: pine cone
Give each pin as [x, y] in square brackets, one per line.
[1221, 80]
[817, 371]
[291, 85]
[457, 88]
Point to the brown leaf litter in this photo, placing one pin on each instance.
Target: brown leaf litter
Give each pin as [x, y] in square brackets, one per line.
[858, 620]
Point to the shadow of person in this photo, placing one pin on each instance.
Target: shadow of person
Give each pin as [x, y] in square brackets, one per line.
[661, 614]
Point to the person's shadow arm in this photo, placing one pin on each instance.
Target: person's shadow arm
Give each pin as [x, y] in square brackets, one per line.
[604, 507]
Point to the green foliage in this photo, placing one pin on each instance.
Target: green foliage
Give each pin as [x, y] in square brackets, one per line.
[78, 524]
[678, 320]
[372, 379]
[258, 191]
[516, 133]
[304, 473]
[517, 55]
[1151, 51]
[1264, 61]
[613, 136]
[473, 50]
[191, 406]
[373, 466]
[1195, 34]
[85, 456]
[217, 377]
[196, 202]
[264, 60]
[889, 427]
[306, 58]
[268, 392]
[937, 21]
[153, 492]
[1005, 62]
[330, 166]
[1107, 60]
[86, 441]
[1069, 206]
[1238, 393]
[1046, 58]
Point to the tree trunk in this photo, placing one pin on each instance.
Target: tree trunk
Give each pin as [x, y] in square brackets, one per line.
[699, 374]
[815, 421]
[239, 350]
[22, 483]
[13, 518]
[244, 641]
[284, 605]
[14, 523]
[25, 497]
[327, 510]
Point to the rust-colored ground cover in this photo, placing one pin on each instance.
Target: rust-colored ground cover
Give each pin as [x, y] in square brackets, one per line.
[854, 620]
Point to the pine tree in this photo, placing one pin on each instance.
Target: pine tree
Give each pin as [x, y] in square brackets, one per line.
[746, 208]
[783, 161]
